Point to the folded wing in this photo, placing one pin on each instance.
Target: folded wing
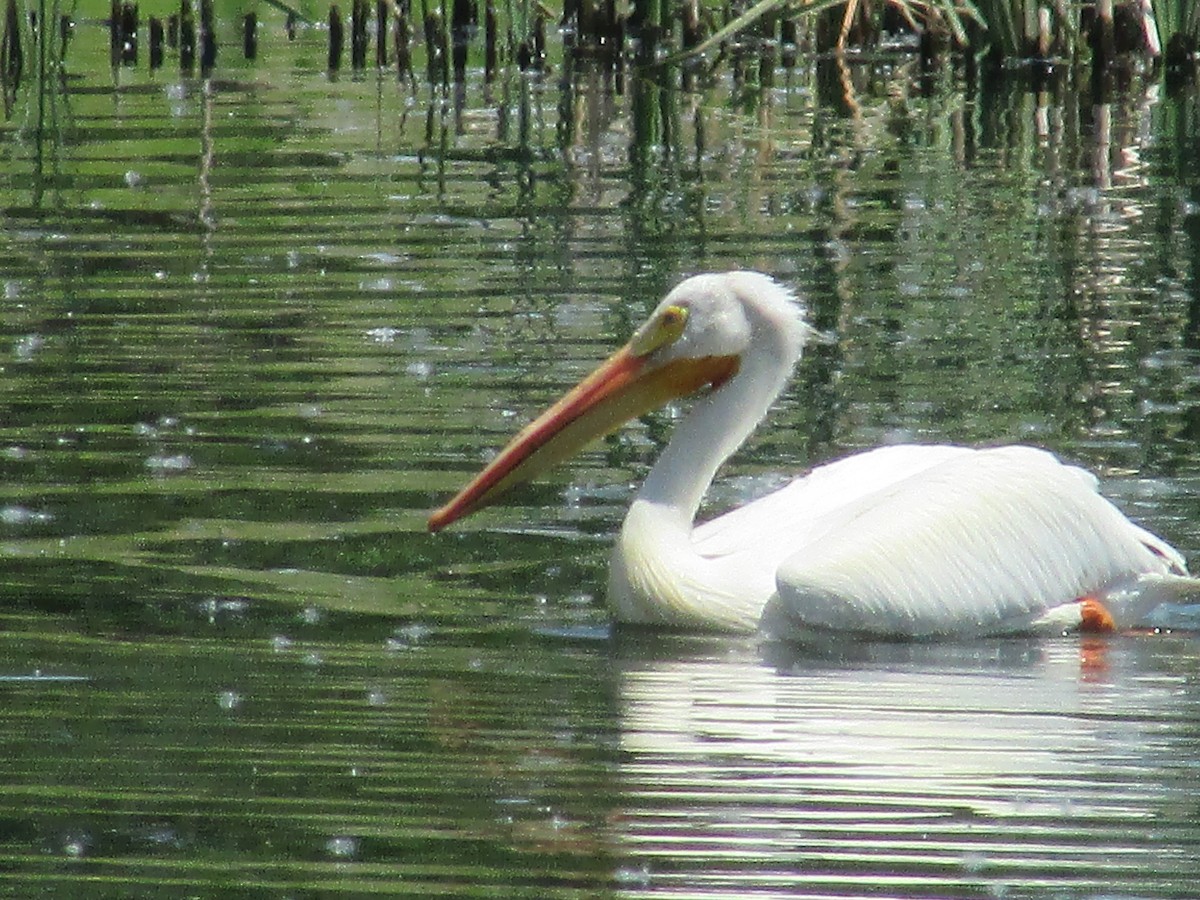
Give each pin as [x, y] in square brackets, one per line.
[934, 541]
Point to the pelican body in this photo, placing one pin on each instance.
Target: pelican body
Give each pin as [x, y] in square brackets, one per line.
[907, 541]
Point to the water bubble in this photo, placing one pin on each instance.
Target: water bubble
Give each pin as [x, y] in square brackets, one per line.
[76, 845]
[384, 258]
[406, 637]
[383, 334]
[633, 876]
[837, 251]
[974, 863]
[342, 846]
[21, 515]
[281, 643]
[414, 632]
[229, 700]
[1083, 197]
[165, 465]
[26, 347]
[1066, 807]
[161, 835]
[215, 607]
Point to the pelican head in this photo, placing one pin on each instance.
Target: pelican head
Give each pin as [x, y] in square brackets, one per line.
[701, 336]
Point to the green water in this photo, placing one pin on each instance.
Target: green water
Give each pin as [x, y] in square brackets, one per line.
[254, 328]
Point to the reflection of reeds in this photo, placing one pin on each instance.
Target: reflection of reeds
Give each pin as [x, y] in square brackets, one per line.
[1179, 24]
[20, 32]
[12, 58]
[750, 35]
[1098, 33]
[336, 38]
[187, 37]
[31, 69]
[658, 33]
[1003, 29]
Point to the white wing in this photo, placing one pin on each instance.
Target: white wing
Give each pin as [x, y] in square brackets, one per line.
[778, 524]
[972, 543]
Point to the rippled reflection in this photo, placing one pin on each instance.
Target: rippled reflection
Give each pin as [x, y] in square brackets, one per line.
[905, 770]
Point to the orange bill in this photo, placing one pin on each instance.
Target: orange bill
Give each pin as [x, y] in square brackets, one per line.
[626, 385]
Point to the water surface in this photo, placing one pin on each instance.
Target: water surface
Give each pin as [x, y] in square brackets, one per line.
[254, 327]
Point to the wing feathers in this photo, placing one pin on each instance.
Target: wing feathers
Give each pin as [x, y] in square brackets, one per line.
[977, 540]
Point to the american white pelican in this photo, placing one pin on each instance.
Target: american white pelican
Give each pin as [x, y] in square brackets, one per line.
[902, 541]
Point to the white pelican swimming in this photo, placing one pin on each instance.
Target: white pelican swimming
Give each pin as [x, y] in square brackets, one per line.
[902, 542]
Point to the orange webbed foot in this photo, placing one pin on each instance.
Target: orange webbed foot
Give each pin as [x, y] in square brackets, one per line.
[1094, 617]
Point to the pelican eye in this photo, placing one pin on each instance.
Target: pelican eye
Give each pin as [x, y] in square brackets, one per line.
[663, 329]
